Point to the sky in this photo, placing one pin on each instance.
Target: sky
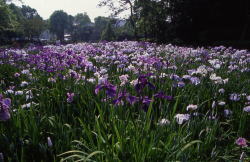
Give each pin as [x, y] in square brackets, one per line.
[46, 7]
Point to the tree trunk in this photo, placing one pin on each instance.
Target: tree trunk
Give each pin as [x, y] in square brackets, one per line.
[132, 19]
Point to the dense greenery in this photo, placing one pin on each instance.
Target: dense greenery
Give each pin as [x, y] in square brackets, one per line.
[58, 23]
[187, 21]
[108, 33]
[81, 29]
[124, 101]
[190, 22]
[19, 22]
[25, 24]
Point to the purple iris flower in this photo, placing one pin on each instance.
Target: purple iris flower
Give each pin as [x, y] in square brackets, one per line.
[4, 108]
[195, 80]
[180, 84]
[143, 82]
[242, 142]
[124, 96]
[110, 88]
[132, 99]
[70, 97]
[247, 109]
[145, 102]
[175, 77]
[158, 64]
[120, 98]
[161, 95]
[234, 97]
[74, 74]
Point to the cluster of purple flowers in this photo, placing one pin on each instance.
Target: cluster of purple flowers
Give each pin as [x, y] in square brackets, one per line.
[5, 104]
[108, 87]
[119, 98]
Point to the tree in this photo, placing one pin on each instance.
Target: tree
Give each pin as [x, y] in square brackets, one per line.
[29, 12]
[108, 34]
[59, 23]
[70, 26]
[17, 22]
[124, 30]
[100, 24]
[119, 6]
[82, 19]
[31, 22]
[82, 27]
[208, 20]
[34, 27]
[19, 30]
[8, 22]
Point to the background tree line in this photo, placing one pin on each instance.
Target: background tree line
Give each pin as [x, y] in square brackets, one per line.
[24, 24]
[175, 21]
[186, 21]
[19, 22]
[80, 27]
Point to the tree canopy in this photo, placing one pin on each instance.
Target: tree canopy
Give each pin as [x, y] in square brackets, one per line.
[19, 22]
[186, 20]
[108, 33]
[175, 21]
[59, 23]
